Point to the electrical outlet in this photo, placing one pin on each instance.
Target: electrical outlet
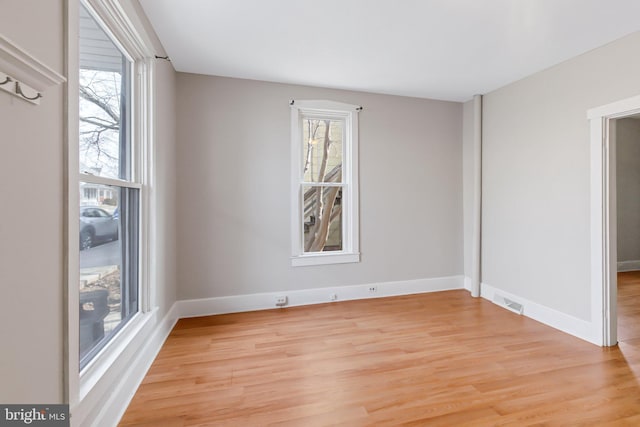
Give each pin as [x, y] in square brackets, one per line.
[281, 301]
[373, 289]
[333, 297]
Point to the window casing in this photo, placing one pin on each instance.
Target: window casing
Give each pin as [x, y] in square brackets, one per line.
[109, 275]
[324, 183]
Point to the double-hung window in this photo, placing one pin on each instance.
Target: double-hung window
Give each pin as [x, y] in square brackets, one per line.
[112, 166]
[324, 180]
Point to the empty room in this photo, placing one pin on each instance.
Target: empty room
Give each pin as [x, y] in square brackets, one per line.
[297, 213]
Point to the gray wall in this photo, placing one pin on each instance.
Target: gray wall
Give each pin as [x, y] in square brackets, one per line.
[31, 257]
[165, 263]
[31, 220]
[628, 188]
[536, 175]
[233, 188]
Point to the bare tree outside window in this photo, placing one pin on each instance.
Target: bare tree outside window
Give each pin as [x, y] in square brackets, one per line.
[100, 94]
[323, 140]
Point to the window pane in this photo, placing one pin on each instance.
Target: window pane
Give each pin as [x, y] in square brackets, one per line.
[108, 263]
[322, 149]
[322, 218]
[104, 103]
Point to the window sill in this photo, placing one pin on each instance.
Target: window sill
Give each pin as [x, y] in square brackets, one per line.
[325, 258]
[99, 367]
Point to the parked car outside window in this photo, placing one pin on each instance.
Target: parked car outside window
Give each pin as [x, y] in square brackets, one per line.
[96, 226]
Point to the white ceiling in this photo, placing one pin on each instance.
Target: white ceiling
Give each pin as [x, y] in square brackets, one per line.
[442, 49]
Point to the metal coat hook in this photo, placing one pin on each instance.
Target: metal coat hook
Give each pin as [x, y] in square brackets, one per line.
[21, 93]
[6, 80]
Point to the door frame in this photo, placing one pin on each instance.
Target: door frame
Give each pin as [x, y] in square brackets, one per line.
[603, 216]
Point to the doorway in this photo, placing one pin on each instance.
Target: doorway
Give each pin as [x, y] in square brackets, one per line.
[627, 155]
[604, 122]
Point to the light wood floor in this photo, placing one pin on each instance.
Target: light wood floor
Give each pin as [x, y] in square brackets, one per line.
[629, 307]
[440, 359]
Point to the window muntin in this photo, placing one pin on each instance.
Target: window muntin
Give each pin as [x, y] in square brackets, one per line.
[109, 233]
[324, 183]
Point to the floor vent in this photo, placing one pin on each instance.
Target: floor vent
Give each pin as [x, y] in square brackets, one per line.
[502, 301]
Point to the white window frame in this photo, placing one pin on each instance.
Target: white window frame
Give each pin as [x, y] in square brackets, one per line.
[85, 388]
[350, 252]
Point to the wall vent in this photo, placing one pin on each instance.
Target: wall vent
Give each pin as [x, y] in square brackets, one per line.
[505, 302]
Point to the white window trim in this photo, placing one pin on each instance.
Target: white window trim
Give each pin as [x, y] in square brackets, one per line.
[350, 220]
[83, 387]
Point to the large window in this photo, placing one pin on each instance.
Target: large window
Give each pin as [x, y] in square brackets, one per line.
[324, 182]
[110, 186]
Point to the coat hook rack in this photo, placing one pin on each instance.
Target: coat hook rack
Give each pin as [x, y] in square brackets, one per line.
[24, 76]
[22, 94]
[19, 89]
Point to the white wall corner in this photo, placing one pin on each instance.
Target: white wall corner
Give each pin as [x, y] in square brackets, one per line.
[264, 301]
[113, 405]
[563, 322]
[629, 265]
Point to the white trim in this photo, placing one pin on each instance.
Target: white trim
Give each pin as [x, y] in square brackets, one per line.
[114, 182]
[324, 258]
[72, 252]
[556, 319]
[264, 301]
[22, 66]
[324, 106]
[349, 183]
[468, 283]
[121, 28]
[476, 241]
[599, 257]
[603, 223]
[108, 400]
[629, 265]
[623, 108]
[146, 82]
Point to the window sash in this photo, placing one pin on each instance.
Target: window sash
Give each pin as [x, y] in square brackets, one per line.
[122, 257]
[135, 277]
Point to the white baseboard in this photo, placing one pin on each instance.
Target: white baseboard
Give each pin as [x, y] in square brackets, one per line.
[549, 316]
[629, 265]
[263, 301]
[114, 407]
[467, 283]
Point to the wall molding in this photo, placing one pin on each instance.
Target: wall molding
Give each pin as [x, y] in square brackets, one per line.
[18, 63]
[22, 75]
[265, 301]
[566, 323]
[629, 265]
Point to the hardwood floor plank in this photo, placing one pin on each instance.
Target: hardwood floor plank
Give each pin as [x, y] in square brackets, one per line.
[430, 359]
